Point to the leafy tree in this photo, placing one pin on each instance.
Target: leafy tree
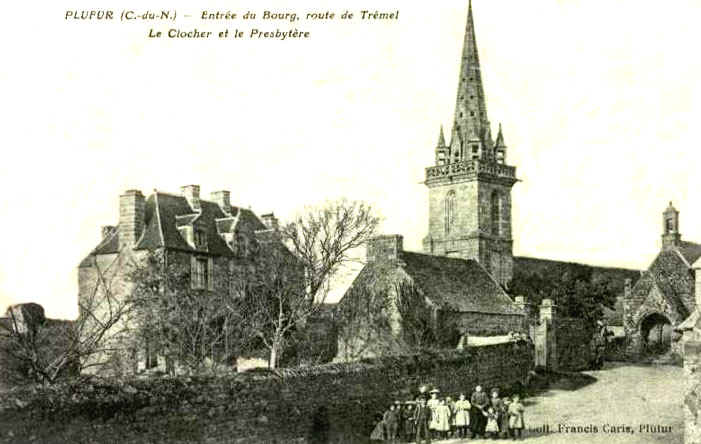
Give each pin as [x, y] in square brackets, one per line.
[575, 289]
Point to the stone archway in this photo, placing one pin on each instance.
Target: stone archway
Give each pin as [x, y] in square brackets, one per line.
[655, 334]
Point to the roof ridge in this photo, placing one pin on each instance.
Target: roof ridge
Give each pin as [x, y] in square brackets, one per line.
[679, 253]
[576, 263]
[158, 218]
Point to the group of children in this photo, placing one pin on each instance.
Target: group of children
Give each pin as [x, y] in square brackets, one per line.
[442, 418]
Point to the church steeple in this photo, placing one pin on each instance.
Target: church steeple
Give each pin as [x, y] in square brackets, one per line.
[470, 184]
[470, 121]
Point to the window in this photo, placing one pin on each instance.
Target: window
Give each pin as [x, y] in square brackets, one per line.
[200, 240]
[449, 211]
[670, 225]
[201, 273]
[472, 113]
[496, 213]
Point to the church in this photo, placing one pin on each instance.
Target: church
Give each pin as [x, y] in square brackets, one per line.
[663, 303]
[467, 262]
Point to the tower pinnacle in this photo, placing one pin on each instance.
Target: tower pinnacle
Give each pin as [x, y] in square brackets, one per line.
[441, 139]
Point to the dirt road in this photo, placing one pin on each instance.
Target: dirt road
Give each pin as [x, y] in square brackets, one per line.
[623, 403]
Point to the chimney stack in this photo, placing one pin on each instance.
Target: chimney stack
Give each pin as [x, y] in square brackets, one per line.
[270, 221]
[384, 248]
[131, 217]
[192, 194]
[223, 199]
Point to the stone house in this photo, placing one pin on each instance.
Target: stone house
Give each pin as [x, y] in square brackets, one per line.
[664, 296]
[457, 297]
[206, 239]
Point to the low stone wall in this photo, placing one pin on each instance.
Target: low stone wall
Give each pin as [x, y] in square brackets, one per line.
[328, 403]
[692, 398]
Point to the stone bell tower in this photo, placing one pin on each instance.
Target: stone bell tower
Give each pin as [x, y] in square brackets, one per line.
[470, 184]
[670, 229]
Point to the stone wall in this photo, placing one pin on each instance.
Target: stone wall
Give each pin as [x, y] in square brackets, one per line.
[692, 397]
[328, 403]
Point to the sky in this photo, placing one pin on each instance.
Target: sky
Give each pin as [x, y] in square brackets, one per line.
[598, 101]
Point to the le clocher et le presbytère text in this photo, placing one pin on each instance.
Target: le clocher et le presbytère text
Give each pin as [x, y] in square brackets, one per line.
[285, 18]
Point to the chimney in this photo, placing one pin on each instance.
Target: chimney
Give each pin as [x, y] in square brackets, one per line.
[628, 288]
[131, 217]
[107, 231]
[223, 199]
[270, 221]
[385, 248]
[192, 194]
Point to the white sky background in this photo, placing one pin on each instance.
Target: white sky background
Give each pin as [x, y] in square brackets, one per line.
[599, 102]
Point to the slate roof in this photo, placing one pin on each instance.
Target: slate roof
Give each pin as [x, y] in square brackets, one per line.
[457, 284]
[165, 212]
[546, 267]
[452, 284]
[690, 251]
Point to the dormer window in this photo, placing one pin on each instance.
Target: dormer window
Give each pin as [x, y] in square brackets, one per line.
[200, 239]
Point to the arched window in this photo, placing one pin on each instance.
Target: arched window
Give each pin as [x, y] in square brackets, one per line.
[496, 212]
[449, 211]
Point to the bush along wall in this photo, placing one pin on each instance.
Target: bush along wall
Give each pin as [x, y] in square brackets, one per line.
[327, 403]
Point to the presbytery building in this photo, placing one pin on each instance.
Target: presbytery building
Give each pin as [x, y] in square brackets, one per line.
[206, 241]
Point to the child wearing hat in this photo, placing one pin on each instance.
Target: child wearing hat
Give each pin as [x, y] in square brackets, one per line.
[433, 405]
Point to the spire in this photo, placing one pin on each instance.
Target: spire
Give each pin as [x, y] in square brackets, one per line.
[500, 147]
[441, 139]
[500, 138]
[471, 109]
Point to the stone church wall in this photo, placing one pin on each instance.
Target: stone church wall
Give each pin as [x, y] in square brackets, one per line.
[338, 401]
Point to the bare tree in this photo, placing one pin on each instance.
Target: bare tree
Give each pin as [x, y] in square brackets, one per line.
[294, 272]
[41, 350]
